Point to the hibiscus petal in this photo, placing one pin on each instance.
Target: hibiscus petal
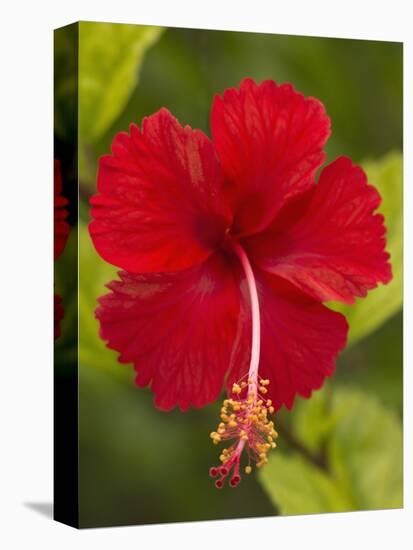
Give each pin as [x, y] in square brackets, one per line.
[61, 227]
[160, 206]
[329, 243]
[177, 329]
[59, 313]
[300, 341]
[270, 142]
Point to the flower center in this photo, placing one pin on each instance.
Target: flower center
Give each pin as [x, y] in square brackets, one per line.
[245, 415]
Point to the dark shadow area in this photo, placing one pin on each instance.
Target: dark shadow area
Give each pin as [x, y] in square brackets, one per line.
[43, 508]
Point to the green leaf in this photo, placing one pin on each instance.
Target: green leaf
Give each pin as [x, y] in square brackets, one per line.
[362, 443]
[371, 312]
[366, 451]
[66, 82]
[376, 364]
[94, 274]
[310, 418]
[297, 487]
[110, 56]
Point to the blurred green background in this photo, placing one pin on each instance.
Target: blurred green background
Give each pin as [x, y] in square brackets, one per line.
[341, 450]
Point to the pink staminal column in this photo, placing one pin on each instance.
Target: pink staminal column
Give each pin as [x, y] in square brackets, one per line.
[245, 414]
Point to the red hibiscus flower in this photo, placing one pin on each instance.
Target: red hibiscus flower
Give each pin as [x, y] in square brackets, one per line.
[229, 247]
[59, 313]
[61, 232]
[61, 227]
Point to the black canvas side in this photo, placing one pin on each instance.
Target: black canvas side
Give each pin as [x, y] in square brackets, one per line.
[66, 490]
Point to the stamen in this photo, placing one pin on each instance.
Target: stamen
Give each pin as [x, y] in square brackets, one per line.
[245, 414]
[255, 313]
[247, 423]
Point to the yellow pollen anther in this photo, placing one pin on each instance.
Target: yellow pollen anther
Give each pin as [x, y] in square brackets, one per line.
[245, 423]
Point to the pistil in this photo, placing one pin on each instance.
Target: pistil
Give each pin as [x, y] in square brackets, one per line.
[255, 314]
[245, 414]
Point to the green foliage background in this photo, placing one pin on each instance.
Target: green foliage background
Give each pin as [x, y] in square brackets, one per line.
[341, 450]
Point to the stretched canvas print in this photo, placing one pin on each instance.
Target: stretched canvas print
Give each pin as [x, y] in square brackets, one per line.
[228, 274]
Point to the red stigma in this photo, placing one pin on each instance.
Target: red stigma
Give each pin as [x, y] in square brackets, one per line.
[219, 483]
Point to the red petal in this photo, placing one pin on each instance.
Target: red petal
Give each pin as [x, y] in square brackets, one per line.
[269, 139]
[300, 340]
[160, 206]
[58, 315]
[330, 244]
[178, 330]
[61, 227]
